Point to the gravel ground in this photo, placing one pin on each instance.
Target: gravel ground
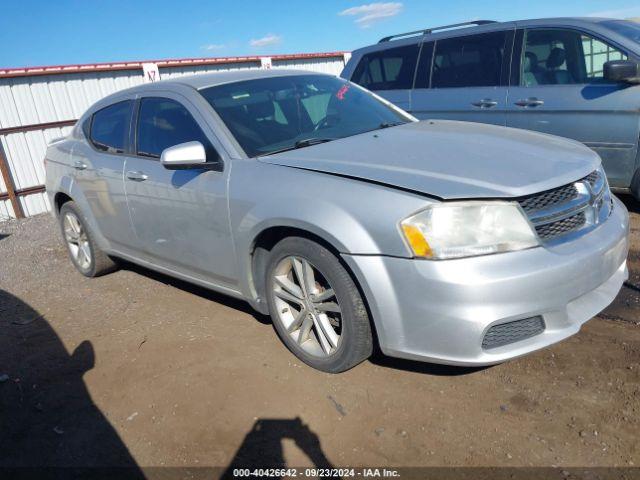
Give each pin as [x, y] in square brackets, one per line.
[135, 368]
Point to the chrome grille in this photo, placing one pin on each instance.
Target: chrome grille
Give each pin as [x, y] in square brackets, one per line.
[549, 198]
[592, 178]
[510, 332]
[566, 225]
[569, 208]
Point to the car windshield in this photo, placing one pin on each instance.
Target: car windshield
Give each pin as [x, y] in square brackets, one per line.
[628, 29]
[273, 114]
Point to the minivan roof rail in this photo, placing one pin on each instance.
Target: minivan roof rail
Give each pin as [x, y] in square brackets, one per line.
[429, 30]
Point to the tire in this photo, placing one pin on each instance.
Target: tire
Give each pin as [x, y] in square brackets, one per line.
[351, 324]
[85, 254]
[635, 185]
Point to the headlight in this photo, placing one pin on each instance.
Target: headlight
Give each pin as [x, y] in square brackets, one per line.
[466, 229]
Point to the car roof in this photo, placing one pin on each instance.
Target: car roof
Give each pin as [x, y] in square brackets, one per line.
[481, 28]
[204, 80]
[197, 82]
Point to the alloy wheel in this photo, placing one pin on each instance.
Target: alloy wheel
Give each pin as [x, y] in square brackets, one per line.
[307, 306]
[77, 241]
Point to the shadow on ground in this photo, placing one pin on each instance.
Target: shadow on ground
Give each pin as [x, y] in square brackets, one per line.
[220, 298]
[47, 416]
[262, 447]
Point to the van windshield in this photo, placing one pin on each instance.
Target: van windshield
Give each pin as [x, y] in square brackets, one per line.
[628, 29]
[274, 114]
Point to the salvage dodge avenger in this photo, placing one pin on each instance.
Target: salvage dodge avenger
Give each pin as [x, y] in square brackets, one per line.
[344, 218]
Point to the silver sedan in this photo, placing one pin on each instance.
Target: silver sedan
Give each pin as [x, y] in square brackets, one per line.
[344, 218]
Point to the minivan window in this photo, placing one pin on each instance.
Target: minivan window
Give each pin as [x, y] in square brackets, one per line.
[564, 57]
[470, 61]
[164, 123]
[391, 69]
[277, 113]
[110, 127]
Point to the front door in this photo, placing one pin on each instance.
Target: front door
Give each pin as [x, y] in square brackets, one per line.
[464, 78]
[180, 216]
[561, 90]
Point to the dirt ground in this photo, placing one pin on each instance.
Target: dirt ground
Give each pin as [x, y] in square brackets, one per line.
[137, 369]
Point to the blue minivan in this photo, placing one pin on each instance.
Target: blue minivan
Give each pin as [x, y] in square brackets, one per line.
[574, 77]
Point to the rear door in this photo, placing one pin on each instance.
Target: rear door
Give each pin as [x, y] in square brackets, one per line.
[464, 78]
[389, 73]
[99, 165]
[180, 217]
[558, 88]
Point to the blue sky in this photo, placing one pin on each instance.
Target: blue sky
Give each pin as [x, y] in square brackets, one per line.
[39, 32]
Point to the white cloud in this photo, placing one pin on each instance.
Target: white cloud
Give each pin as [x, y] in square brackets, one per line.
[213, 46]
[266, 41]
[371, 13]
[619, 13]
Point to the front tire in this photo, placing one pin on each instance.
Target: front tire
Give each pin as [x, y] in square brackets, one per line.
[317, 309]
[85, 254]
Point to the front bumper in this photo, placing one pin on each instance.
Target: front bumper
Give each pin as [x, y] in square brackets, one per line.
[439, 311]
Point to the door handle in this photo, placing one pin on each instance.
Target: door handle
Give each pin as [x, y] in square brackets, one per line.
[137, 176]
[485, 103]
[79, 165]
[529, 102]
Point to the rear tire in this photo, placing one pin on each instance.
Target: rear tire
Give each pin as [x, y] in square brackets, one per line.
[85, 254]
[316, 308]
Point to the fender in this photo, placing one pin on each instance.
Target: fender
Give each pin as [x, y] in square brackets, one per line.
[69, 187]
[344, 213]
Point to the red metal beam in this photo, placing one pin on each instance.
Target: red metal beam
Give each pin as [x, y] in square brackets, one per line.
[37, 126]
[135, 65]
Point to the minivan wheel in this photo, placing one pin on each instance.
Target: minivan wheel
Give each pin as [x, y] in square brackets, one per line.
[84, 253]
[316, 307]
[635, 185]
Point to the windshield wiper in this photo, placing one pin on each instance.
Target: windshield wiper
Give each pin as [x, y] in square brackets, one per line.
[307, 142]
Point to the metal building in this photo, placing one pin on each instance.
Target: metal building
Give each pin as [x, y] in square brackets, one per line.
[38, 104]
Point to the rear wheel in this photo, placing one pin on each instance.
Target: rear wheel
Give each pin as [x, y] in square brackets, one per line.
[83, 251]
[316, 307]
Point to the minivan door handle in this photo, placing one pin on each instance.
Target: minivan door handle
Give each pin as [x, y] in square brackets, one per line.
[137, 176]
[529, 102]
[79, 165]
[485, 103]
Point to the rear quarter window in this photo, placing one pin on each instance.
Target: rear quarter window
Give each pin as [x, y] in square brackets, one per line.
[109, 130]
[391, 69]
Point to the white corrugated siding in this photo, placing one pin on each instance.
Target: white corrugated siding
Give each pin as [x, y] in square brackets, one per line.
[320, 65]
[6, 210]
[174, 72]
[60, 97]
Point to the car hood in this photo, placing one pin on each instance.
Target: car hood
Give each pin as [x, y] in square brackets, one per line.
[450, 159]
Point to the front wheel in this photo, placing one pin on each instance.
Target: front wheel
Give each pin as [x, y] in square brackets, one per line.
[316, 307]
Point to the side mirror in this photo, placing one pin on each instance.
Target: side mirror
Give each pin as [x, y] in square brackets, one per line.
[184, 155]
[622, 71]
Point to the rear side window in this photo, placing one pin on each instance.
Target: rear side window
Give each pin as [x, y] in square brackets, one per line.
[110, 127]
[471, 61]
[391, 69]
[164, 123]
